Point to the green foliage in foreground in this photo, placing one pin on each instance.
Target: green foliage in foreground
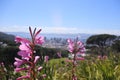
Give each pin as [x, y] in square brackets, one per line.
[8, 53]
[91, 68]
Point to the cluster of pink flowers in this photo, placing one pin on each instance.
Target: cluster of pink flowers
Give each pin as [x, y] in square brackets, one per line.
[27, 53]
[102, 57]
[75, 48]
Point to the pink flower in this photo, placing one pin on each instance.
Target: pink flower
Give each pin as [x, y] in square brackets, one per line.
[23, 77]
[76, 47]
[25, 47]
[20, 69]
[59, 54]
[99, 57]
[36, 58]
[21, 40]
[102, 57]
[18, 62]
[24, 55]
[44, 75]
[68, 60]
[40, 68]
[105, 57]
[71, 45]
[79, 58]
[27, 54]
[46, 58]
[39, 40]
[1, 64]
[74, 78]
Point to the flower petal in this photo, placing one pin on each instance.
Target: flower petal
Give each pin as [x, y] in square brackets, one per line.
[36, 58]
[18, 62]
[20, 69]
[19, 39]
[46, 58]
[39, 40]
[40, 68]
[25, 47]
[23, 77]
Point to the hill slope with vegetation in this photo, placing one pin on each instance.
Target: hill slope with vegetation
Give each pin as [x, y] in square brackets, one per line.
[7, 38]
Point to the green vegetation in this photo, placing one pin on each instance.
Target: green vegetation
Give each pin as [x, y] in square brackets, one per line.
[92, 68]
[116, 46]
[89, 69]
[102, 40]
[7, 39]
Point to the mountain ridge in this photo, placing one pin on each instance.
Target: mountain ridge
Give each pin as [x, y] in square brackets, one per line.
[53, 35]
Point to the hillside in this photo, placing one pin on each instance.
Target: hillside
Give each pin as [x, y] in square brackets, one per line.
[7, 38]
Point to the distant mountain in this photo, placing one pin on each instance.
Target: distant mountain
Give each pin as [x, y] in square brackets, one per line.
[21, 34]
[52, 38]
[4, 36]
[52, 35]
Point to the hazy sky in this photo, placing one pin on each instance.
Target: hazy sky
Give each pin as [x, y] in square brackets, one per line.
[61, 16]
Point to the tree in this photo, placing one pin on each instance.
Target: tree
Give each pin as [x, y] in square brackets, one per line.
[116, 46]
[7, 39]
[101, 40]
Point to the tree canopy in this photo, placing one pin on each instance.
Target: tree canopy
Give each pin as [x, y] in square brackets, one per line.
[116, 46]
[101, 40]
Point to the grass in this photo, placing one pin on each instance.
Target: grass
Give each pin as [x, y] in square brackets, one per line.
[91, 68]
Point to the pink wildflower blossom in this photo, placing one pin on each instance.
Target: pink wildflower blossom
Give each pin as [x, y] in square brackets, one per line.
[74, 78]
[102, 57]
[36, 59]
[105, 57]
[27, 53]
[75, 48]
[40, 68]
[44, 75]
[39, 40]
[18, 62]
[79, 58]
[24, 55]
[20, 69]
[21, 40]
[23, 77]
[59, 54]
[46, 58]
[25, 47]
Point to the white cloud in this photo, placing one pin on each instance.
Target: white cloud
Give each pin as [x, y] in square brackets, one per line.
[58, 30]
[103, 31]
[117, 32]
[14, 28]
[44, 29]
